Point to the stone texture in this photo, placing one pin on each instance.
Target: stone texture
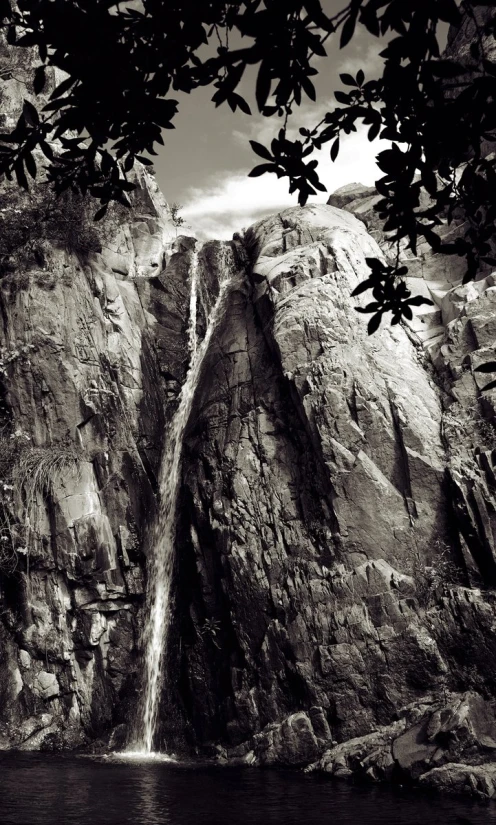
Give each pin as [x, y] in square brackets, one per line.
[475, 780]
[93, 353]
[318, 532]
[325, 488]
[439, 745]
[335, 553]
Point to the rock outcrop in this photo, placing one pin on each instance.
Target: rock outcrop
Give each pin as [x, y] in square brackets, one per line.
[336, 524]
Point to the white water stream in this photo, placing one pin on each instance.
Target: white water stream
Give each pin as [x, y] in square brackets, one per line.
[162, 541]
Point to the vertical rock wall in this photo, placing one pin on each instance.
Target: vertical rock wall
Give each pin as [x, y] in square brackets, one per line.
[93, 353]
[321, 549]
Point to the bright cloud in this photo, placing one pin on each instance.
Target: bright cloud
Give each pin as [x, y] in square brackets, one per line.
[220, 208]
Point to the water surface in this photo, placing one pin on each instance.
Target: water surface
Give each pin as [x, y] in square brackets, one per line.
[44, 789]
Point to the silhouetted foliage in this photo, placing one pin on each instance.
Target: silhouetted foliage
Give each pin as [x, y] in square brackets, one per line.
[124, 63]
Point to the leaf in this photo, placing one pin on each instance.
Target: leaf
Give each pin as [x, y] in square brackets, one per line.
[374, 323]
[63, 87]
[347, 79]
[342, 97]
[39, 80]
[489, 366]
[309, 88]
[374, 130]
[101, 212]
[262, 169]
[360, 77]
[335, 150]
[419, 300]
[371, 307]
[348, 30]
[30, 114]
[128, 163]
[262, 88]
[375, 264]
[261, 150]
[314, 10]
[243, 105]
[368, 17]
[363, 287]
[20, 174]
[47, 150]
[30, 164]
[144, 161]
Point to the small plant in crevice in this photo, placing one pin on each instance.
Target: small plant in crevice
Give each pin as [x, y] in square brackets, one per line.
[487, 432]
[475, 423]
[209, 630]
[9, 355]
[432, 580]
[39, 467]
[485, 429]
[33, 477]
[12, 532]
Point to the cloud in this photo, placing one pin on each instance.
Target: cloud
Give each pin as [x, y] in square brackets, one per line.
[367, 59]
[231, 202]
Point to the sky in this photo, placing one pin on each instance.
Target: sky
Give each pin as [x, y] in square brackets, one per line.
[206, 159]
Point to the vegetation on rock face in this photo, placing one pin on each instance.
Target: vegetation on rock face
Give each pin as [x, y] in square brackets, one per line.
[12, 532]
[27, 474]
[124, 64]
[433, 580]
[176, 219]
[25, 226]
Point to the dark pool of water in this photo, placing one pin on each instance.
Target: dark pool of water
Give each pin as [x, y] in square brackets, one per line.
[41, 789]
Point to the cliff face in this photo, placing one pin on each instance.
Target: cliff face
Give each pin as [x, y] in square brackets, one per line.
[335, 513]
[335, 552]
[94, 349]
[337, 507]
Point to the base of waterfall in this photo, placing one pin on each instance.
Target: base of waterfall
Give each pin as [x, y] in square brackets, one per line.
[141, 756]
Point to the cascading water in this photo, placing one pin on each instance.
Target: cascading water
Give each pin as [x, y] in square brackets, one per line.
[161, 543]
[193, 299]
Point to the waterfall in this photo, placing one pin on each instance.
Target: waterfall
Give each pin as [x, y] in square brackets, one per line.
[193, 298]
[161, 543]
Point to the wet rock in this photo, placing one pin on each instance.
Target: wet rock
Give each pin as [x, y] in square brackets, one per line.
[474, 780]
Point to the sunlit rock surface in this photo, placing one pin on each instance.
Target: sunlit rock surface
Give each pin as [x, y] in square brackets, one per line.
[333, 520]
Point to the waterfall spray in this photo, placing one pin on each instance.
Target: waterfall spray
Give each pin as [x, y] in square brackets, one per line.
[162, 539]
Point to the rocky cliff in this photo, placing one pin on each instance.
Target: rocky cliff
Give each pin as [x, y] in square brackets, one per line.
[335, 557]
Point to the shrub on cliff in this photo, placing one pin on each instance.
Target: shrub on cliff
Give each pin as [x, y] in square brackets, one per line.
[25, 224]
[27, 476]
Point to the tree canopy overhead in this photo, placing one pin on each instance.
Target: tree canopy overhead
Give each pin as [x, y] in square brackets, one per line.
[125, 62]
